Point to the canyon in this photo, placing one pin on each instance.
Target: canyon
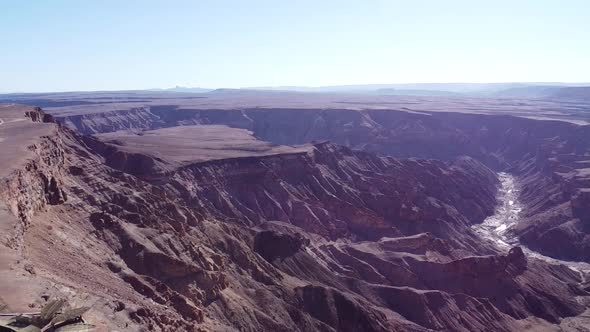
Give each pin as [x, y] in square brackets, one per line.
[271, 211]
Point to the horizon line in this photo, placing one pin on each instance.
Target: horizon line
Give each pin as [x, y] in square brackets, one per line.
[262, 87]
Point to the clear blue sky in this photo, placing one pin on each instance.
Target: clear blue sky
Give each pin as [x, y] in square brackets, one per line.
[109, 45]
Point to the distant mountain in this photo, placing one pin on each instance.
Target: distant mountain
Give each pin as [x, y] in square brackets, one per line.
[528, 92]
[422, 89]
[581, 93]
[542, 90]
[183, 89]
[403, 92]
[547, 92]
[437, 87]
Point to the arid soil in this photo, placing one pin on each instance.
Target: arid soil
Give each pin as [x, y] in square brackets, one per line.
[164, 218]
[174, 147]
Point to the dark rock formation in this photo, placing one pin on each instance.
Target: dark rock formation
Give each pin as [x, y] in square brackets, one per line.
[272, 245]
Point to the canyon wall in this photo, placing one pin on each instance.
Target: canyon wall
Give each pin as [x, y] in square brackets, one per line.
[550, 158]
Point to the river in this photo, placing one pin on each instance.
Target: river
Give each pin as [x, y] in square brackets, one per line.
[497, 227]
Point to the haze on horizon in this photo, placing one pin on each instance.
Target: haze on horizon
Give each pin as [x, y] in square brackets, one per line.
[110, 45]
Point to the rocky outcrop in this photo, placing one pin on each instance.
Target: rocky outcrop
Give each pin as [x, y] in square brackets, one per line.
[38, 115]
[39, 183]
[339, 311]
[135, 118]
[272, 245]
